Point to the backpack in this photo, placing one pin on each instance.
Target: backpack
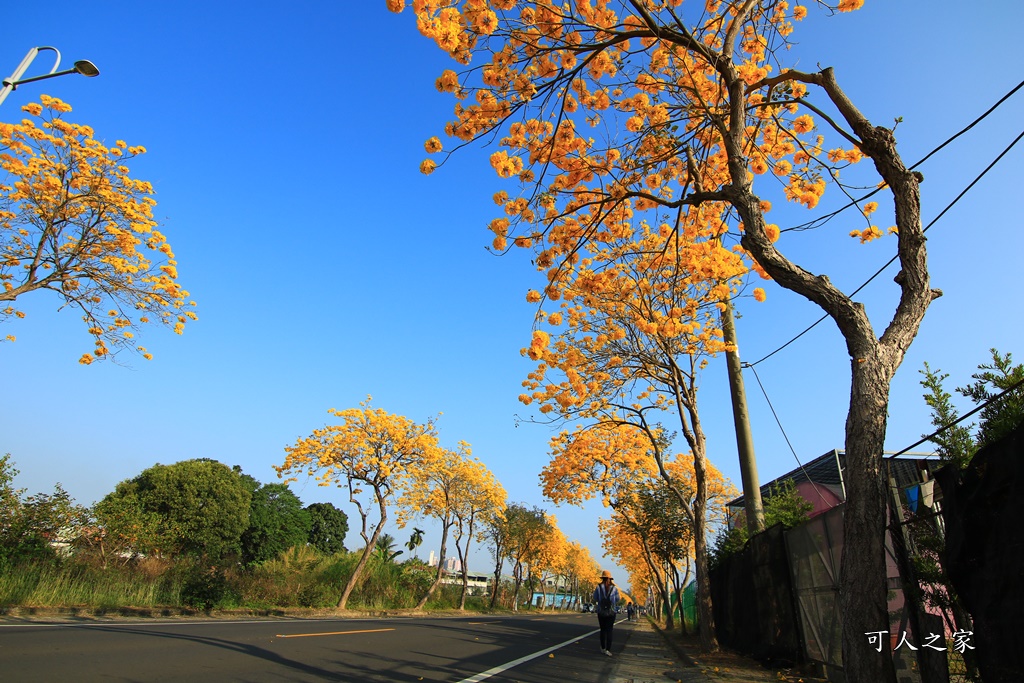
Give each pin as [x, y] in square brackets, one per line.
[605, 608]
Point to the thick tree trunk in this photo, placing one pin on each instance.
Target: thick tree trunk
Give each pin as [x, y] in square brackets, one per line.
[863, 590]
[874, 360]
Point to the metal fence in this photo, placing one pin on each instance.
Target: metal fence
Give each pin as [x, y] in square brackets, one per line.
[778, 599]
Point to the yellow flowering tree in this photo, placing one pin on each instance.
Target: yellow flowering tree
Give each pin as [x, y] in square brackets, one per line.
[605, 108]
[457, 490]
[372, 454]
[479, 500]
[546, 561]
[658, 497]
[524, 530]
[578, 573]
[431, 493]
[75, 223]
[637, 323]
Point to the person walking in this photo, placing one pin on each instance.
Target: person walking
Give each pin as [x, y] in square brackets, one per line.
[606, 597]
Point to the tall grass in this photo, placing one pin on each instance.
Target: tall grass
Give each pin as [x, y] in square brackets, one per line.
[69, 584]
[298, 578]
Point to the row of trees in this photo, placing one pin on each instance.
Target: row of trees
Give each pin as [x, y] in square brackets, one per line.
[389, 464]
[205, 512]
[646, 226]
[539, 555]
[195, 509]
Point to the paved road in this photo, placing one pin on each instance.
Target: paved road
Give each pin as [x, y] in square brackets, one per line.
[527, 649]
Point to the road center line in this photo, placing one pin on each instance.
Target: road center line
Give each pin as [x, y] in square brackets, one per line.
[516, 662]
[333, 633]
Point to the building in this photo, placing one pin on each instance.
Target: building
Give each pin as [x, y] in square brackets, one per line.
[822, 481]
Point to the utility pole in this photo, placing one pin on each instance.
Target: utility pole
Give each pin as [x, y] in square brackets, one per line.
[744, 440]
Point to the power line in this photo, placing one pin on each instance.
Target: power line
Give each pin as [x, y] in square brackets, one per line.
[894, 258]
[786, 437]
[827, 217]
[940, 430]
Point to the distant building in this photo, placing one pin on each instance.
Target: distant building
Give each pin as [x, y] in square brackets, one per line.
[476, 584]
[451, 564]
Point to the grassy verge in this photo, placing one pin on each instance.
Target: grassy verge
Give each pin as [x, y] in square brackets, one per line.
[298, 579]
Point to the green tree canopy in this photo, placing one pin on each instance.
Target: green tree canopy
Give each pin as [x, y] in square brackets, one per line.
[328, 528]
[783, 505]
[202, 507]
[957, 443]
[29, 524]
[277, 522]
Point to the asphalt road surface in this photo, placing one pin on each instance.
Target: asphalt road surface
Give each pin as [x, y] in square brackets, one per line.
[527, 649]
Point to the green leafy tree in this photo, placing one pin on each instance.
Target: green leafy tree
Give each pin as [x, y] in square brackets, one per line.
[958, 443]
[783, 505]
[415, 540]
[277, 522]
[10, 507]
[955, 443]
[123, 530]
[328, 527]
[385, 548]
[997, 418]
[202, 507]
[32, 526]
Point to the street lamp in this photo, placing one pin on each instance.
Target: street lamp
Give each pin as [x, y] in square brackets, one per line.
[83, 66]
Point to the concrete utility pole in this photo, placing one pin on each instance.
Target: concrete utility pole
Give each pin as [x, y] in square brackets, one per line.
[744, 440]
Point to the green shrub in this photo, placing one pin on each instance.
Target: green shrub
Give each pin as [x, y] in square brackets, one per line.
[319, 595]
[208, 587]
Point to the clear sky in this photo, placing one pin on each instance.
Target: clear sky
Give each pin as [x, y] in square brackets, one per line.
[284, 143]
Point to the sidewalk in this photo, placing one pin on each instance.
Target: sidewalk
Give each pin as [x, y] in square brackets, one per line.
[650, 656]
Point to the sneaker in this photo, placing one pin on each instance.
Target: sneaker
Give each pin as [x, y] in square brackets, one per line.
[608, 652]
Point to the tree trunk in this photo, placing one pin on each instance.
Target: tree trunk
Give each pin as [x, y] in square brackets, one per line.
[367, 551]
[705, 615]
[440, 566]
[874, 361]
[497, 580]
[862, 588]
[517, 577]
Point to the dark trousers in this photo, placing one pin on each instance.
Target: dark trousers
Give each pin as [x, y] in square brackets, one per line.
[606, 630]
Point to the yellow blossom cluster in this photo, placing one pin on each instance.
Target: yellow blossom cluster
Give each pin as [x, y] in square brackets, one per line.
[74, 220]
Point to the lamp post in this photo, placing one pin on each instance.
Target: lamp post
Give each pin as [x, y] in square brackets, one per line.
[83, 66]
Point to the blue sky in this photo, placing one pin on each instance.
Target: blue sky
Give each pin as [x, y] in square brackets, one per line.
[284, 143]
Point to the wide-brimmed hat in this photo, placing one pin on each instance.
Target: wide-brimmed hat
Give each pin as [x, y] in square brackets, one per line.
[606, 574]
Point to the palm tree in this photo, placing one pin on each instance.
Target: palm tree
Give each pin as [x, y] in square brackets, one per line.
[385, 548]
[415, 540]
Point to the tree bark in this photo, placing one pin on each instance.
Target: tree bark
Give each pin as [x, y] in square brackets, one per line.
[863, 601]
[873, 360]
[367, 551]
[446, 525]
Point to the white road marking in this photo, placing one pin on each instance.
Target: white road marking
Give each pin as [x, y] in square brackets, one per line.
[516, 662]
